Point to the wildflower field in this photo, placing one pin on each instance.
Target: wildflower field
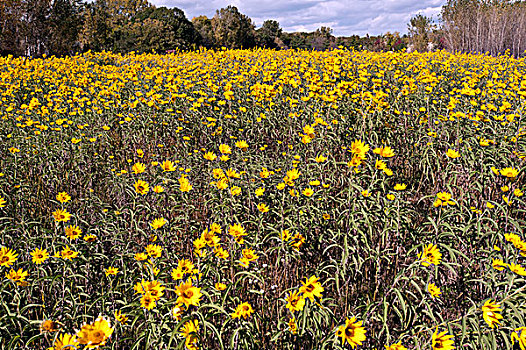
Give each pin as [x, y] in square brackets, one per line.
[258, 199]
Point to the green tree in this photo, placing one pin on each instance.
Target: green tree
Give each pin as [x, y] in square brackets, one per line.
[12, 28]
[161, 29]
[65, 23]
[233, 29]
[420, 28]
[203, 25]
[268, 33]
[322, 39]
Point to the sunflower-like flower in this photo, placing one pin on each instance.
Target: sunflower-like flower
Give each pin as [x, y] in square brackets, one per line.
[431, 255]
[490, 313]
[295, 302]
[39, 255]
[519, 335]
[311, 288]
[96, 334]
[433, 290]
[442, 341]
[352, 332]
[65, 341]
[7, 257]
[188, 294]
[243, 310]
[61, 215]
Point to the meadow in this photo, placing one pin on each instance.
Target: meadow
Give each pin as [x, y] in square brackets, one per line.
[259, 199]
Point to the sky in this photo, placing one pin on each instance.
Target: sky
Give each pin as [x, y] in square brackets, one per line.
[345, 17]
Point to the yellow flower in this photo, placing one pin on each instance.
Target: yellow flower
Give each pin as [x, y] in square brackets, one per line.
[2, 202]
[65, 341]
[73, 232]
[519, 334]
[385, 152]
[490, 313]
[243, 145]
[352, 332]
[141, 187]
[17, 276]
[295, 302]
[96, 334]
[188, 294]
[39, 255]
[320, 159]
[111, 271]
[243, 310]
[184, 184]
[451, 153]
[442, 341]
[391, 197]
[210, 156]
[510, 173]
[293, 327]
[63, 197]
[68, 254]
[7, 257]
[259, 192]
[431, 255]
[262, 207]
[359, 148]
[400, 187]
[189, 332]
[138, 168]
[122, 319]
[148, 301]
[154, 250]
[48, 326]
[61, 215]
[141, 256]
[158, 223]
[220, 286]
[311, 288]
[517, 268]
[158, 189]
[167, 165]
[235, 191]
[366, 193]
[308, 192]
[433, 290]
[443, 199]
[225, 149]
[499, 265]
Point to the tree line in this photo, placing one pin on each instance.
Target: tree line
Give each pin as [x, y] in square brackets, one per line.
[64, 27]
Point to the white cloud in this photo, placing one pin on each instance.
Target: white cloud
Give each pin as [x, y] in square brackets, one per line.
[345, 17]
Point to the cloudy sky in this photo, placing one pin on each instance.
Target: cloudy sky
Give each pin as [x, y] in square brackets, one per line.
[345, 17]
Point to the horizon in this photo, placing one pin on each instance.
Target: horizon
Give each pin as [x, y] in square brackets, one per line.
[344, 17]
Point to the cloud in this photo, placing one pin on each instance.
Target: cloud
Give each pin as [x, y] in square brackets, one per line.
[345, 17]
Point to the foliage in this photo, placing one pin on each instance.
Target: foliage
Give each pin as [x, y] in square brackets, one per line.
[260, 199]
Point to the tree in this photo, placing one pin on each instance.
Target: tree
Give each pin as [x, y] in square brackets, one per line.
[96, 29]
[268, 33]
[12, 27]
[161, 29]
[203, 25]
[233, 29]
[420, 28]
[322, 39]
[36, 19]
[492, 26]
[65, 22]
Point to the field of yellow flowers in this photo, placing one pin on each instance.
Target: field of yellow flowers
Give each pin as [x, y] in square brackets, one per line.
[257, 199]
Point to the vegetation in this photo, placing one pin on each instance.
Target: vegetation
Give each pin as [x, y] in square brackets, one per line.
[261, 199]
